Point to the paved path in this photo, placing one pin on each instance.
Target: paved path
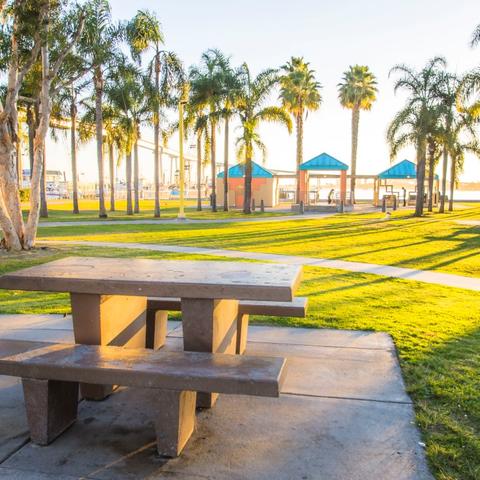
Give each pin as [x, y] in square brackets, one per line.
[343, 414]
[188, 221]
[427, 276]
[475, 223]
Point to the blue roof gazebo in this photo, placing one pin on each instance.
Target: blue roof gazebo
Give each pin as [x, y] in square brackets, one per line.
[404, 170]
[322, 162]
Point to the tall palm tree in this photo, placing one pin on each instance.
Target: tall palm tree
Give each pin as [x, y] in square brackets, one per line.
[126, 101]
[166, 72]
[357, 91]
[99, 46]
[207, 89]
[419, 117]
[251, 109]
[447, 93]
[300, 93]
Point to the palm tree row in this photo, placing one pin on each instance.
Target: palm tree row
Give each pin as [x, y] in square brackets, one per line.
[437, 123]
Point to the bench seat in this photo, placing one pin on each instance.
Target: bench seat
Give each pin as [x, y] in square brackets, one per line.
[51, 373]
[296, 308]
[158, 308]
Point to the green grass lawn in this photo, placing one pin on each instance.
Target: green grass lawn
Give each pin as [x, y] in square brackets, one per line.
[434, 242]
[61, 211]
[436, 331]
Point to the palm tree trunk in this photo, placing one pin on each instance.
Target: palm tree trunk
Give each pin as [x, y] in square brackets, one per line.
[431, 173]
[355, 123]
[156, 134]
[129, 183]
[111, 162]
[199, 172]
[420, 178]
[43, 187]
[73, 153]
[136, 179]
[214, 170]
[453, 174]
[98, 80]
[299, 127]
[247, 199]
[225, 165]
[444, 180]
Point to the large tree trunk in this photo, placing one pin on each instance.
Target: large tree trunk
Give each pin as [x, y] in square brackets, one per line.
[111, 163]
[129, 183]
[43, 186]
[420, 178]
[11, 226]
[299, 159]
[355, 122]
[444, 180]
[199, 172]
[98, 81]
[453, 174]
[157, 162]
[225, 165]
[247, 199]
[73, 153]
[214, 169]
[31, 134]
[136, 179]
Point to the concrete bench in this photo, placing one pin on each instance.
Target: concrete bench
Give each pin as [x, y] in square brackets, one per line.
[158, 308]
[51, 374]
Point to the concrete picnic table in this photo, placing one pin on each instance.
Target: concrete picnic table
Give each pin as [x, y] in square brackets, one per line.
[109, 298]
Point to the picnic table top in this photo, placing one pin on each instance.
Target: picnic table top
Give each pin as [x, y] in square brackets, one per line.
[161, 278]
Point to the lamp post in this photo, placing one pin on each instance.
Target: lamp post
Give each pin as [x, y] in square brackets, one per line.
[181, 105]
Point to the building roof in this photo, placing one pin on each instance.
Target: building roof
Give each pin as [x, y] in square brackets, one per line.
[238, 171]
[324, 161]
[403, 169]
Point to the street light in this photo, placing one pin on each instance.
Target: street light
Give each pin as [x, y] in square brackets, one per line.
[181, 105]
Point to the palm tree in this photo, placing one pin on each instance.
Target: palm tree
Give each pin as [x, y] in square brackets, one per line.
[100, 47]
[300, 93]
[419, 118]
[206, 91]
[462, 139]
[166, 72]
[357, 91]
[252, 112]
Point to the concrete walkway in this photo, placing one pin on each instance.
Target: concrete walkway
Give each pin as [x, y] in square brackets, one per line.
[473, 223]
[188, 221]
[426, 276]
[343, 414]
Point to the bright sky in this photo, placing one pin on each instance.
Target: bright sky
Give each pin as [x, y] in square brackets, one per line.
[331, 36]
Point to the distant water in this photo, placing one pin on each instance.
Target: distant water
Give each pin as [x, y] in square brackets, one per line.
[367, 194]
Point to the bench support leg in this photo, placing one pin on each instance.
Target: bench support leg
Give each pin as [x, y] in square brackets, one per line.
[51, 408]
[107, 320]
[156, 328]
[175, 421]
[209, 326]
[242, 331]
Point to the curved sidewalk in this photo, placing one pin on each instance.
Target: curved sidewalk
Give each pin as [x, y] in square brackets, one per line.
[426, 276]
[188, 221]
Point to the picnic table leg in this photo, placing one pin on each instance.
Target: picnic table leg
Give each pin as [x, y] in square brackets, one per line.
[51, 408]
[107, 320]
[209, 325]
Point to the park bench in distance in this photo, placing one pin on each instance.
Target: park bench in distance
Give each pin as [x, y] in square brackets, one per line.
[158, 308]
[51, 373]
